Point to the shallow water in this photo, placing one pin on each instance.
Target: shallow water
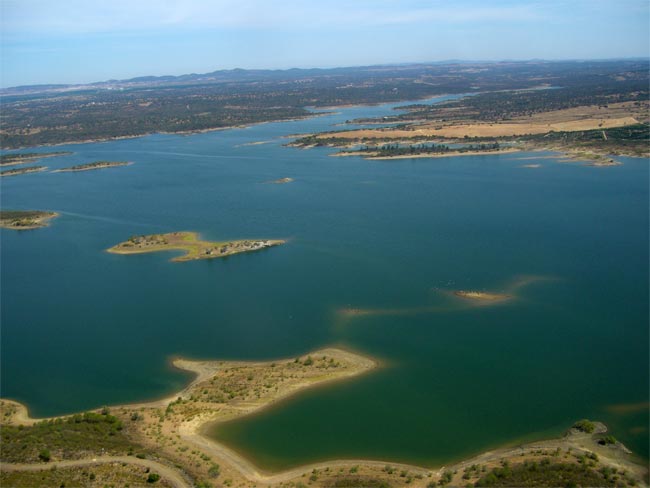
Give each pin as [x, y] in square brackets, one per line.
[83, 328]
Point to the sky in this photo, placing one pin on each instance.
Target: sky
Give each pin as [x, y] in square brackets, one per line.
[81, 41]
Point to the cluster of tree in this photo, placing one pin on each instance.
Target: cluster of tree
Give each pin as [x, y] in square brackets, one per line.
[396, 149]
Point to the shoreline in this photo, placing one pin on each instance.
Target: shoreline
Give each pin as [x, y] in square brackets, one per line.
[179, 419]
[179, 133]
[239, 126]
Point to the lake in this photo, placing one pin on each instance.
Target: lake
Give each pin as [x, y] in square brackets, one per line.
[82, 328]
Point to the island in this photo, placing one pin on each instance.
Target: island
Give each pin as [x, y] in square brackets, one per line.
[190, 243]
[25, 219]
[22, 158]
[22, 171]
[167, 442]
[93, 165]
[281, 181]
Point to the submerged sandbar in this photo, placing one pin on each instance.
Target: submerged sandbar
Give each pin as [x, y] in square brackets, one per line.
[190, 243]
[482, 296]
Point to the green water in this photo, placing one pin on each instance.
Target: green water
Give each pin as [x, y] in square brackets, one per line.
[83, 328]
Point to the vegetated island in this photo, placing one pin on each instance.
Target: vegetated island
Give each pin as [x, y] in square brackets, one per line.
[93, 165]
[22, 171]
[432, 150]
[168, 438]
[190, 243]
[25, 219]
[22, 158]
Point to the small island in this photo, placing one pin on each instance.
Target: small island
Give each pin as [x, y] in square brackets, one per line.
[22, 171]
[281, 181]
[93, 165]
[190, 243]
[22, 158]
[25, 219]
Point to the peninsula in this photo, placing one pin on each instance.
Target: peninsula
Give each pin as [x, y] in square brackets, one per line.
[25, 219]
[22, 158]
[93, 165]
[190, 243]
[165, 441]
[22, 171]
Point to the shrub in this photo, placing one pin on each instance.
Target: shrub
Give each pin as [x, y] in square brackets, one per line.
[153, 477]
[607, 440]
[214, 470]
[584, 425]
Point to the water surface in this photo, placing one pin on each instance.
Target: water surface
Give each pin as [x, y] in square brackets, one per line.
[83, 328]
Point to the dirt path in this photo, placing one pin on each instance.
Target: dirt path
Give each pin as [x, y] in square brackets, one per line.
[170, 474]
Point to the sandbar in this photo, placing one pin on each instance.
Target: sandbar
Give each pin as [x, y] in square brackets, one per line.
[482, 296]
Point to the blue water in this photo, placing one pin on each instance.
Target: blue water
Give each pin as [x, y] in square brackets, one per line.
[82, 328]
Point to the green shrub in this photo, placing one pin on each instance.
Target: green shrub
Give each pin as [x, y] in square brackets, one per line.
[153, 477]
[584, 425]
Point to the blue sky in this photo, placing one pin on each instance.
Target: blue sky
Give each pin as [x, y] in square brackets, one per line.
[77, 41]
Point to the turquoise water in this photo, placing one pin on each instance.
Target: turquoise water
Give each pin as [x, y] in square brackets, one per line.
[83, 328]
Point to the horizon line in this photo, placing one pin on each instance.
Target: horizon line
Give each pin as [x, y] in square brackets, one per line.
[298, 68]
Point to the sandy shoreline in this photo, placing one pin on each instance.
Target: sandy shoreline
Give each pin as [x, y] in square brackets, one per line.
[176, 426]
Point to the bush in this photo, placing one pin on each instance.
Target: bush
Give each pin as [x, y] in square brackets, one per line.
[584, 425]
[44, 455]
[214, 470]
[607, 440]
[153, 477]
